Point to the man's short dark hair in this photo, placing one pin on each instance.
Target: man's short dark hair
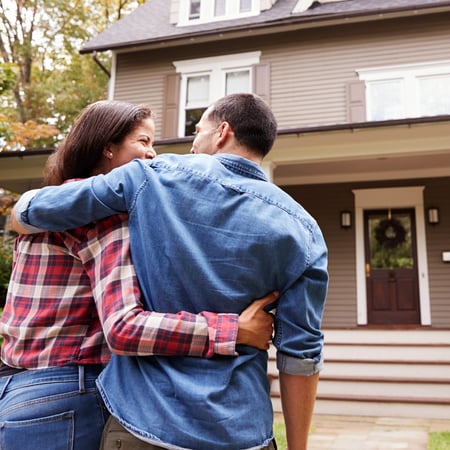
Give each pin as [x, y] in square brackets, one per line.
[250, 118]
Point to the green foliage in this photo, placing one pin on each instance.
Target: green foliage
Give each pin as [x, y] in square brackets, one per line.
[6, 259]
[8, 74]
[439, 441]
[44, 81]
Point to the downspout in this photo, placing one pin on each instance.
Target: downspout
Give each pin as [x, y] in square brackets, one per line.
[94, 57]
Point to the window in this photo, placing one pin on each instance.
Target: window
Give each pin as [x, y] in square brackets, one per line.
[194, 9]
[201, 11]
[407, 91]
[205, 80]
[219, 8]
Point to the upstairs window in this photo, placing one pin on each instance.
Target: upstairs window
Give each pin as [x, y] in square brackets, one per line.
[205, 80]
[201, 11]
[194, 9]
[407, 91]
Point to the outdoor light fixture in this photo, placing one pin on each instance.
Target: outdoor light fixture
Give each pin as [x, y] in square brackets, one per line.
[433, 216]
[346, 219]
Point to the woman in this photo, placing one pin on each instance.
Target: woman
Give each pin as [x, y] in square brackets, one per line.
[74, 297]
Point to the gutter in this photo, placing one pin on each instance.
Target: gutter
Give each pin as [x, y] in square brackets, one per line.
[282, 132]
[99, 63]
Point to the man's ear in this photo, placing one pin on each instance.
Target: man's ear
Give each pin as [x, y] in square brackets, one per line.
[225, 133]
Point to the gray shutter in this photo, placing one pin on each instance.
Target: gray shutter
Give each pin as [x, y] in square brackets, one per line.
[261, 81]
[170, 108]
[356, 101]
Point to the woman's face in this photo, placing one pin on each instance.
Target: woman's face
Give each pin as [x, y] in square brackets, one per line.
[137, 144]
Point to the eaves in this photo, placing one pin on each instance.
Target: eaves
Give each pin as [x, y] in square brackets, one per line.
[280, 132]
[197, 35]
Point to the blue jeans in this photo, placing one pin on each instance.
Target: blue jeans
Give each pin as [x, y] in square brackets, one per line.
[58, 408]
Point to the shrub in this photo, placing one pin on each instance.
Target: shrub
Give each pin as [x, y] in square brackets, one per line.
[6, 258]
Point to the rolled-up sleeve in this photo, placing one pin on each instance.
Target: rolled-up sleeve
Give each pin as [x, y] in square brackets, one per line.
[298, 337]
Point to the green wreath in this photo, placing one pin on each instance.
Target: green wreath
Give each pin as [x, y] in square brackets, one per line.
[390, 233]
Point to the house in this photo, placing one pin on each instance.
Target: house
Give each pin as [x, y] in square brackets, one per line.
[361, 93]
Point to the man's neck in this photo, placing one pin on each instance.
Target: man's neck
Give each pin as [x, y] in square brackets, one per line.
[243, 152]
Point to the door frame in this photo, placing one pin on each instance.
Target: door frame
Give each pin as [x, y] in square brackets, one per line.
[383, 198]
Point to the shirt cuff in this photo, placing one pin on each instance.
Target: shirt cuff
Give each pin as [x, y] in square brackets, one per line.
[223, 329]
[20, 211]
[298, 366]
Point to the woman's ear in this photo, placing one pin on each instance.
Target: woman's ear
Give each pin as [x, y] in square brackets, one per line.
[107, 153]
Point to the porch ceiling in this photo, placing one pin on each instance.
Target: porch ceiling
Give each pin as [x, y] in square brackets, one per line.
[360, 154]
[308, 156]
[20, 173]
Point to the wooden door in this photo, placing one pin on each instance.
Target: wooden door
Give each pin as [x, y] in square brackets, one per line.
[391, 267]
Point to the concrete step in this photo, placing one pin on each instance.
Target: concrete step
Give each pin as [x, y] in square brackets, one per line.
[391, 370]
[403, 373]
[402, 390]
[362, 407]
[432, 354]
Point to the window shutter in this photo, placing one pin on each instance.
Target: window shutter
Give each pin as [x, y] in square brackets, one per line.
[170, 108]
[261, 81]
[356, 101]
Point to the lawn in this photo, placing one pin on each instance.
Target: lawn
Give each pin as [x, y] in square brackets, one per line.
[436, 441]
[439, 441]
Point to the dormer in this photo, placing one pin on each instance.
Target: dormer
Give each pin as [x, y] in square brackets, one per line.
[303, 5]
[194, 12]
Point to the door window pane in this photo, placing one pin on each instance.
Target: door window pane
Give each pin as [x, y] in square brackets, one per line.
[390, 241]
[238, 81]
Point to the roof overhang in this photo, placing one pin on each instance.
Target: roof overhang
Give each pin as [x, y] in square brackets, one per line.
[368, 151]
[293, 23]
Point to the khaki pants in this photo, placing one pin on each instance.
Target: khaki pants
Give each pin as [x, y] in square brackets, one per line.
[115, 436]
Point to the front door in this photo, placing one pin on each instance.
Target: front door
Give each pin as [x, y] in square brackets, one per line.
[391, 267]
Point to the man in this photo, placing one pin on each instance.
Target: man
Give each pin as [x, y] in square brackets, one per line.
[210, 232]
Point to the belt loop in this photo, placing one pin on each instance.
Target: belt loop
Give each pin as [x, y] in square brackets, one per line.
[5, 385]
[81, 387]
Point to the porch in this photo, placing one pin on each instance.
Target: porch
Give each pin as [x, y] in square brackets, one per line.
[382, 372]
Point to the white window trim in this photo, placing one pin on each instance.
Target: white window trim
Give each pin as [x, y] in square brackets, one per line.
[217, 67]
[207, 12]
[408, 74]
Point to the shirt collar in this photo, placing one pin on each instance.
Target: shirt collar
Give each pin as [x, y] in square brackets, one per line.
[241, 166]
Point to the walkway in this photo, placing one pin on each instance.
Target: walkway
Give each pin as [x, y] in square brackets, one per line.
[372, 433]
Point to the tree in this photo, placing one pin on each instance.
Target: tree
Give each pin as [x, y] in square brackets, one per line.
[44, 81]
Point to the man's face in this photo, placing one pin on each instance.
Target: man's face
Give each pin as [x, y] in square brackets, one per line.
[205, 134]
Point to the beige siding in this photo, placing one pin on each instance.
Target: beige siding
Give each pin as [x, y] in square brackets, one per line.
[139, 81]
[436, 194]
[310, 69]
[325, 203]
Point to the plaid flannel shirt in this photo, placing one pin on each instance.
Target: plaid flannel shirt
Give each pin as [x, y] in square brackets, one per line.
[74, 296]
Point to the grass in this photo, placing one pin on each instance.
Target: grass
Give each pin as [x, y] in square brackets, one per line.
[279, 432]
[439, 441]
[436, 441]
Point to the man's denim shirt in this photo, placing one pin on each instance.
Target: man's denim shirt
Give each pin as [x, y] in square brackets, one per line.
[207, 233]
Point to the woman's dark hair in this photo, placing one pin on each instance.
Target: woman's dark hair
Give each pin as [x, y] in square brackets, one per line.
[98, 125]
[250, 118]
